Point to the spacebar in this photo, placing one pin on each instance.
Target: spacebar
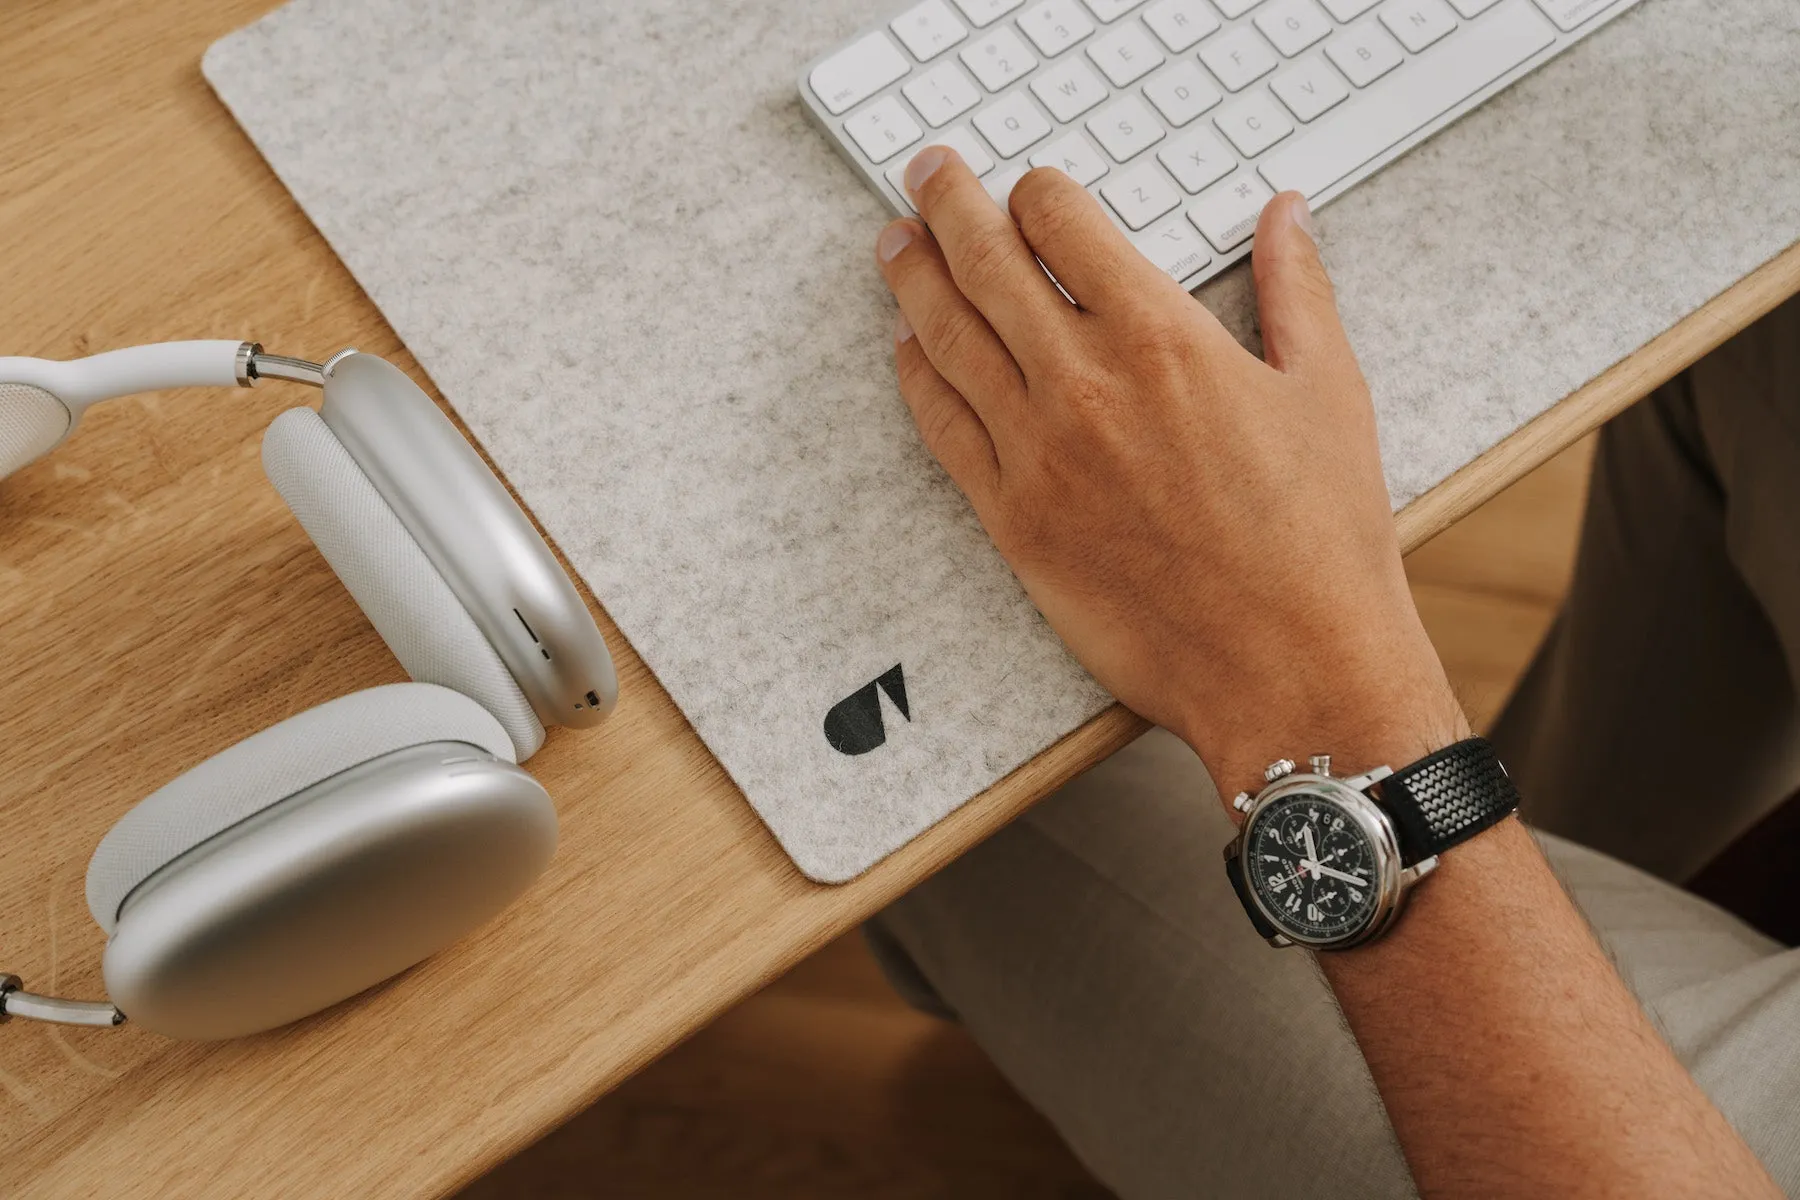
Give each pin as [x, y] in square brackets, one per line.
[1418, 93]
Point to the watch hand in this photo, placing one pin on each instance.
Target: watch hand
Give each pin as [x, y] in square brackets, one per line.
[1312, 855]
[1337, 874]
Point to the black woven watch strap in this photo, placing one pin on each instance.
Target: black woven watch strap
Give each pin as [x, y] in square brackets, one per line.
[1447, 797]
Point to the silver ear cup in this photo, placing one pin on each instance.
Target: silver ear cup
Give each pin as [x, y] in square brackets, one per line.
[230, 913]
[32, 422]
[475, 534]
[282, 760]
[381, 564]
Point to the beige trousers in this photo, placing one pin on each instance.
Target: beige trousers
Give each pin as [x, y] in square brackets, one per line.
[1096, 952]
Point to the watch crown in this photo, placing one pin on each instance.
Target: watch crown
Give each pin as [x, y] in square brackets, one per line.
[1278, 768]
[1321, 765]
[1242, 802]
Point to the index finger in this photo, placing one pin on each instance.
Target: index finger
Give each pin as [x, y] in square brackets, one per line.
[988, 256]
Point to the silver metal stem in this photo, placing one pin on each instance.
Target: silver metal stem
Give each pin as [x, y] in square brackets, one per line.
[279, 366]
[31, 1007]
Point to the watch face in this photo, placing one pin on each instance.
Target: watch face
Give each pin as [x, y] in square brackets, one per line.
[1313, 867]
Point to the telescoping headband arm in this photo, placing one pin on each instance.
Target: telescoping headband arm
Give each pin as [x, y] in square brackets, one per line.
[28, 1006]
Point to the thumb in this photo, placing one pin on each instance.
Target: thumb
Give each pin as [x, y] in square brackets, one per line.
[1302, 335]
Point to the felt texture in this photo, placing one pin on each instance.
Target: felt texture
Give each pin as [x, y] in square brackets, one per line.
[610, 235]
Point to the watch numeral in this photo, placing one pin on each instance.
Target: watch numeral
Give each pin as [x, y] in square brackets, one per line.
[1278, 883]
[1313, 913]
[1293, 902]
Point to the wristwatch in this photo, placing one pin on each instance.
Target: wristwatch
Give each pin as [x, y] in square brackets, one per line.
[1327, 863]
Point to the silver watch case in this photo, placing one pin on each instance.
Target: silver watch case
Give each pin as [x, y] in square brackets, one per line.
[1395, 878]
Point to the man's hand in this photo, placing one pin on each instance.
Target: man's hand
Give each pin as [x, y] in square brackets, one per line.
[1211, 537]
[1210, 534]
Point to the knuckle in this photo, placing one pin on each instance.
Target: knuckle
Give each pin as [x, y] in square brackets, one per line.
[1049, 212]
[951, 333]
[937, 423]
[985, 257]
[1158, 340]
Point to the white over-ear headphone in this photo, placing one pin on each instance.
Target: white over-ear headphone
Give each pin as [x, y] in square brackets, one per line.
[342, 845]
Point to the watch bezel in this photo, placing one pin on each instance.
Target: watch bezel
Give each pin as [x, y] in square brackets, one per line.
[1374, 822]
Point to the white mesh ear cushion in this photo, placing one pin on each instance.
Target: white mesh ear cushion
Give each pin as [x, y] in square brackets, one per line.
[32, 422]
[384, 567]
[240, 782]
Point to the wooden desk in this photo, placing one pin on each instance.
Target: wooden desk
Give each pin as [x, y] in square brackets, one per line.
[157, 603]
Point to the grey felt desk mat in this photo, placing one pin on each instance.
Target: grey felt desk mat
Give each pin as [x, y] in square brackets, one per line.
[646, 283]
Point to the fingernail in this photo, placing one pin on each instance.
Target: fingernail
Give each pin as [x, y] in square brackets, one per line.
[1303, 217]
[902, 329]
[893, 240]
[923, 166]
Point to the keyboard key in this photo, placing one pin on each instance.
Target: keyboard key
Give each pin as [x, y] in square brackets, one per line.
[1238, 58]
[1125, 128]
[1364, 53]
[1180, 23]
[928, 29]
[1000, 185]
[1472, 8]
[1345, 11]
[1126, 54]
[982, 13]
[857, 72]
[942, 94]
[1181, 93]
[1310, 87]
[1012, 123]
[1254, 123]
[1569, 13]
[1141, 194]
[1429, 87]
[1227, 214]
[883, 129]
[959, 140]
[1197, 159]
[998, 59]
[1418, 23]
[1075, 157]
[1069, 89]
[1175, 250]
[1292, 25]
[1111, 10]
[1236, 8]
[1055, 25]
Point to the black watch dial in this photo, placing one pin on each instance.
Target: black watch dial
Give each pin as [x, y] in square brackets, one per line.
[1313, 868]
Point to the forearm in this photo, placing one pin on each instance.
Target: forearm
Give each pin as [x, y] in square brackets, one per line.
[1511, 1058]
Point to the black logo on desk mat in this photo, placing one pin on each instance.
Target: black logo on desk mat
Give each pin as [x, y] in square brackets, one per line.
[854, 725]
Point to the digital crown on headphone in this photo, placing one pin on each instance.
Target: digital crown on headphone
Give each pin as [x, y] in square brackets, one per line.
[346, 843]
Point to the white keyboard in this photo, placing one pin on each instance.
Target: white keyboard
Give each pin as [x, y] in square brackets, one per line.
[1183, 116]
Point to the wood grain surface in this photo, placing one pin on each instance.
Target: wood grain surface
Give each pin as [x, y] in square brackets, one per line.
[157, 603]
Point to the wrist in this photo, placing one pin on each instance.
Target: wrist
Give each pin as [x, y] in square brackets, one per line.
[1361, 728]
